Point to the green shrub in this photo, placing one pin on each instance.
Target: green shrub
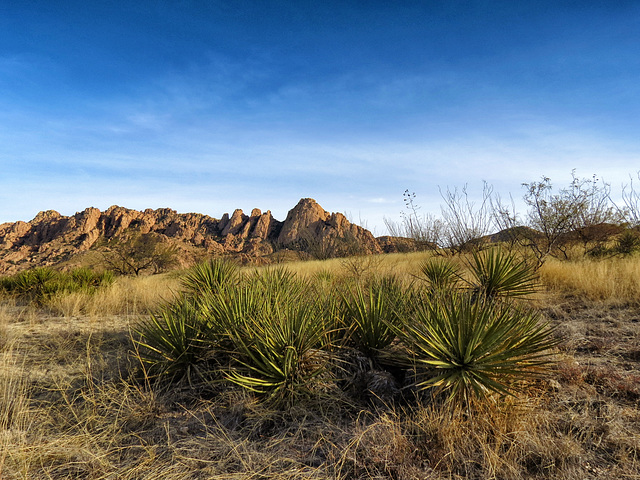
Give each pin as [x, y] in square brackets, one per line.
[276, 334]
[627, 243]
[40, 284]
[441, 275]
[174, 342]
[278, 350]
[210, 276]
[271, 333]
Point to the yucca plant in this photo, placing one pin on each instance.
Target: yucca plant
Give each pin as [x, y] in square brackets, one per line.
[271, 332]
[173, 343]
[86, 279]
[372, 313]
[278, 347]
[36, 282]
[210, 276]
[473, 349]
[441, 275]
[278, 280]
[496, 274]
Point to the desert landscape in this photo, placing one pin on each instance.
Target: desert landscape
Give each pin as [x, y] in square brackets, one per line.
[305, 362]
[336, 240]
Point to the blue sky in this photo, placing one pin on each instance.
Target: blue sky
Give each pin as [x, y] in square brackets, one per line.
[206, 106]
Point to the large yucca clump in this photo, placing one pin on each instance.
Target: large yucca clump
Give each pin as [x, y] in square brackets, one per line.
[175, 342]
[276, 335]
[467, 337]
[471, 349]
[270, 333]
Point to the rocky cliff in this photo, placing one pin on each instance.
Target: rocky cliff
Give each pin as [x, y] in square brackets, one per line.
[51, 238]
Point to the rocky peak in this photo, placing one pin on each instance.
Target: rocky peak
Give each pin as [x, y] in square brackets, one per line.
[46, 216]
[303, 219]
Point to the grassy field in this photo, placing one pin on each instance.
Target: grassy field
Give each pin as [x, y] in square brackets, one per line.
[75, 403]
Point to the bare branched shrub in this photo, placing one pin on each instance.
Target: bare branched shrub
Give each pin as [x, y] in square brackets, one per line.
[506, 221]
[582, 211]
[631, 199]
[465, 221]
[462, 224]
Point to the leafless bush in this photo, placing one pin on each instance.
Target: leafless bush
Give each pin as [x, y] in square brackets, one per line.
[631, 199]
[465, 222]
[581, 211]
[460, 228]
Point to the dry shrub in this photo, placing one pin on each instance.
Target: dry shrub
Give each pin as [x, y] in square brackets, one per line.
[623, 385]
[15, 418]
[5, 318]
[378, 448]
[509, 439]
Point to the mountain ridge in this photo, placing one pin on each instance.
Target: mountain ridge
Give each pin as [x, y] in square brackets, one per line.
[51, 238]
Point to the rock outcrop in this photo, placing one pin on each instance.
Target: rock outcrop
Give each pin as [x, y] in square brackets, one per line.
[51, 238]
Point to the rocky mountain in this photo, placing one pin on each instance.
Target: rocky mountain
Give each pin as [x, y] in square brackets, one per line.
[51, 238]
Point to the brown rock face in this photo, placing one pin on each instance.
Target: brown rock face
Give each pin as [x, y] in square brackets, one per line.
[305, 218]
[309, 222]
[51, 238]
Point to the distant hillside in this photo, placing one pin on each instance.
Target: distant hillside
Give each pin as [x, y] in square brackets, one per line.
[51, 239]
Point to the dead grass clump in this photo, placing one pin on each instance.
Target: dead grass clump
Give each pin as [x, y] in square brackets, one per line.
[506, 440]
[15, 418]
[378, 448]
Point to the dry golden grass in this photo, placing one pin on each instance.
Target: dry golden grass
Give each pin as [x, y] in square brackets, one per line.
[404, 265]
[69, 408]
[612, 280]
[127, 296]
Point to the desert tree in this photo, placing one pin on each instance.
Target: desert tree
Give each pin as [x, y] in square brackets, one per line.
[582, 211]
[137, 253]
[597, 217]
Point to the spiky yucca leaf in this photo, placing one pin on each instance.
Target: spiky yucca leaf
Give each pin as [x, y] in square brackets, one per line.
[277, 281]
[477, 348]
[372, 312]
[271, 331]
[498, 274]
[174, 341]
[210, 276]
[277, 347]
[440, 274]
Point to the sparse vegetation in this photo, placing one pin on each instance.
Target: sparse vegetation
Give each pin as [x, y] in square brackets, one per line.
[72, 408]
[42, 284]
[493, 363]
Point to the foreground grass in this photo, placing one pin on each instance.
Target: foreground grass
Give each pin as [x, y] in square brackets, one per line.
[69, 409]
